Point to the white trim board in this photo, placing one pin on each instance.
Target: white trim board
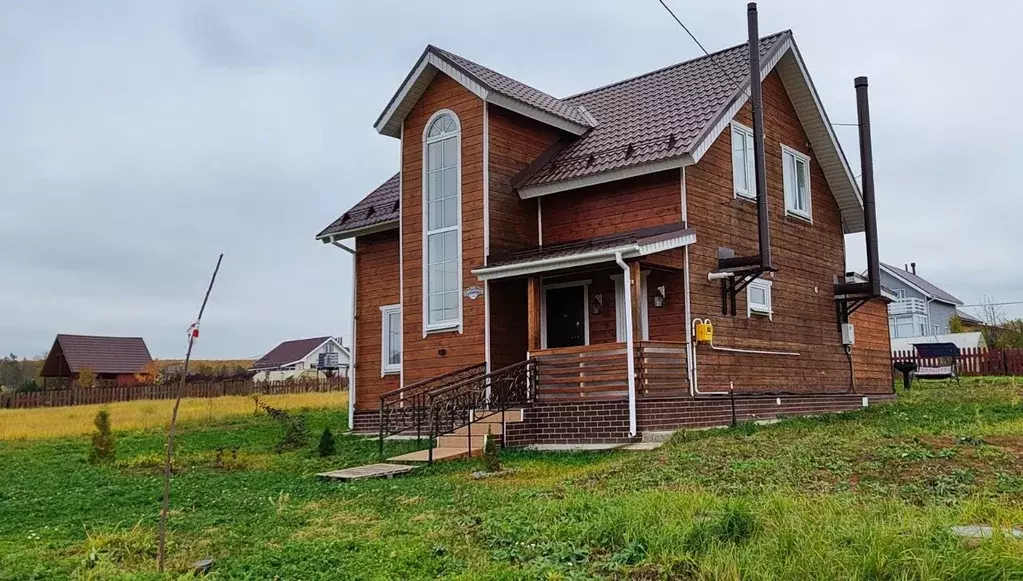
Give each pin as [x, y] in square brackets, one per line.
[423, 73]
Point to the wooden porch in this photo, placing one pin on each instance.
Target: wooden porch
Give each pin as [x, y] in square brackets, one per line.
[600, 372]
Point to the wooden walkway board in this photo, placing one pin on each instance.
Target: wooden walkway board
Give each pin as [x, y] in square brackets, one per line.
[370, 471]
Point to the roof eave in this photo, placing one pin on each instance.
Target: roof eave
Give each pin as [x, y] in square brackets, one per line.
[536, 191]
[327, 238]
[630, 250]
[419, 78]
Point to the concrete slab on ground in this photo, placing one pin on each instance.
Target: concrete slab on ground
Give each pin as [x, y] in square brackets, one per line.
[633, 447]
[369, 471]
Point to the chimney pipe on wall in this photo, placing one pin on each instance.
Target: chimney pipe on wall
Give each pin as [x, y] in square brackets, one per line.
[867, 167]
[913, 266]
[757, 101]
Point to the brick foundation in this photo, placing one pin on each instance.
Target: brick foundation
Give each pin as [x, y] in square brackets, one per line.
[607, 422]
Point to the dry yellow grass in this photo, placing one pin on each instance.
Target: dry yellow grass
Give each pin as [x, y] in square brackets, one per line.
[41, 423]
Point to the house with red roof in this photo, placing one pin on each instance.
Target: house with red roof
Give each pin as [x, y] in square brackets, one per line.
[114, 360]
[613, 262]
[301, 358]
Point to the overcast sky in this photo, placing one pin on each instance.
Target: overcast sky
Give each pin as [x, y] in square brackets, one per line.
[140, 139]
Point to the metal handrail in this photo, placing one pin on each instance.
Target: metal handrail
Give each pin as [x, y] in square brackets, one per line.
[406, 407]
[457, 404]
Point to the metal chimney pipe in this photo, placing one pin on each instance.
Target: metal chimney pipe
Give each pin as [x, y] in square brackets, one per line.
[757, 100]
[867, 168]
[913, 266]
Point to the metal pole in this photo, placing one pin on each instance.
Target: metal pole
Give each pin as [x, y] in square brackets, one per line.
[867, 170]
[760, 165]
[162, 534]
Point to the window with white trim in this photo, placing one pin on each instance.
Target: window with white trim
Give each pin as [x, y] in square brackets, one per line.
[442, 288]
[900, 293]
[902, 326]
[743, 173]
[390, 339]
[795, 172]
[758, 298]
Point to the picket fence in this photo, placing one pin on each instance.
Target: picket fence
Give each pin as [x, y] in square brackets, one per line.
[98, 395]
[973, 361]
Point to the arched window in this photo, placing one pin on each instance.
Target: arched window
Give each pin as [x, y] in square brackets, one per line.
[442, 287]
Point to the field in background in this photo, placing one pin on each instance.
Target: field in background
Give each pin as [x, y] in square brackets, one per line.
[38, 423]
[870, 495]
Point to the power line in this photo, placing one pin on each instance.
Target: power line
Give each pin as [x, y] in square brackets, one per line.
[718, 65]
[994, 304]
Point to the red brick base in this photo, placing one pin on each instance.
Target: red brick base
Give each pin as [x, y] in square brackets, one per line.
[607, 422]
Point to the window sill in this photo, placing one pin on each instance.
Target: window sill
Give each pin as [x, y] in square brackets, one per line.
[799, 216]
[750, 199]
[387, 372]
[761, 314]
[442, 329]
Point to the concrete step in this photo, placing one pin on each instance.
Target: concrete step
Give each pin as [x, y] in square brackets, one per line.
[657, 437]
[438, 454]
[460, 440]
[479, 428]
[510, 416]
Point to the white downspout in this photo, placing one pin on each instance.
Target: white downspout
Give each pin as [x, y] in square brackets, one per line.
[690, 352]
[351, 366]
[629, 343]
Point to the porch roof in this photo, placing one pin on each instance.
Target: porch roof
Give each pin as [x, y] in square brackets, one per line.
[631, 244]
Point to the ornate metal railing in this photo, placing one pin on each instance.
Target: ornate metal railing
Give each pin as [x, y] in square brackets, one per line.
[459, 404]
[406, 408]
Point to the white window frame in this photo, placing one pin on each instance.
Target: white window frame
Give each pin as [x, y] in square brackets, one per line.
[750, 192]
[385, 314]
[759, 308]
[917, 323]
[644, 307]
[586, 308]
[900, 293]
[788, 186]
[454, 324]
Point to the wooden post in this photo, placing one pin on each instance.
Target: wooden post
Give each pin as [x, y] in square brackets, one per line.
[637, 296]
[533, 313]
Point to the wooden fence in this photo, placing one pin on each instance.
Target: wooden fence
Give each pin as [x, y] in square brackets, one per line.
[973, 361]
[98, 395]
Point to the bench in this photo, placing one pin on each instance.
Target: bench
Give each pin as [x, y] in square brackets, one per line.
[947, 359]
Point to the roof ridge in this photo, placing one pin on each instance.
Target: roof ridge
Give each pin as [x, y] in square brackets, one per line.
[672, 66]
[97, 336]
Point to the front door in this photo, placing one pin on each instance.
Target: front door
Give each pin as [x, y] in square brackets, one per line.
[566, 316]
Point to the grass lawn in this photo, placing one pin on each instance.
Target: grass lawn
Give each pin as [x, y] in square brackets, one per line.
[862, 495]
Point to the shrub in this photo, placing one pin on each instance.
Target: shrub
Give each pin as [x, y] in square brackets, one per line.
[102, 440]
[86, 377]
[326, 446]
[491, 454]
[29, 385]
[294, 435]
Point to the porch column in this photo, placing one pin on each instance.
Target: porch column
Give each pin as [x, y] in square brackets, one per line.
[533, 313]
[637, 296]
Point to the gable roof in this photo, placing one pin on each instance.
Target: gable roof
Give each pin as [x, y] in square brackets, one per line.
[660, 120]
[968, 318]
[290, 352]
[376, 212]
[920, 284]
[486, 84]
[119, 355]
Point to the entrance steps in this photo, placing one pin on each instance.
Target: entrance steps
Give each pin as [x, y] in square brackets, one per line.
[458, 444]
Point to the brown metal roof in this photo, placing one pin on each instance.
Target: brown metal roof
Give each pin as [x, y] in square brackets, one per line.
[511, 88]
[656, 116]
[377, 209]
[288, 352]
[71, 353]
[652, 117]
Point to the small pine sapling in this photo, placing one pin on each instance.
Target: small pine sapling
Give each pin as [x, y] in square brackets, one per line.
[326, 447]
[102, 440]
[491, 453]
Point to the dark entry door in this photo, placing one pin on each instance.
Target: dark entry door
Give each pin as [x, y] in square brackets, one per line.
[566, 317]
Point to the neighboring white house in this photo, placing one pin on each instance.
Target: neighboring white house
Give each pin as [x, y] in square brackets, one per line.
[301, 358]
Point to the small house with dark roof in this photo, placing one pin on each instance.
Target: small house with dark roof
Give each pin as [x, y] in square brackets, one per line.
[114, 360]
[558, 253]
[303, 357]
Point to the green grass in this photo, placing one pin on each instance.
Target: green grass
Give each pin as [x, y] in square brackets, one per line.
[863, 495]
